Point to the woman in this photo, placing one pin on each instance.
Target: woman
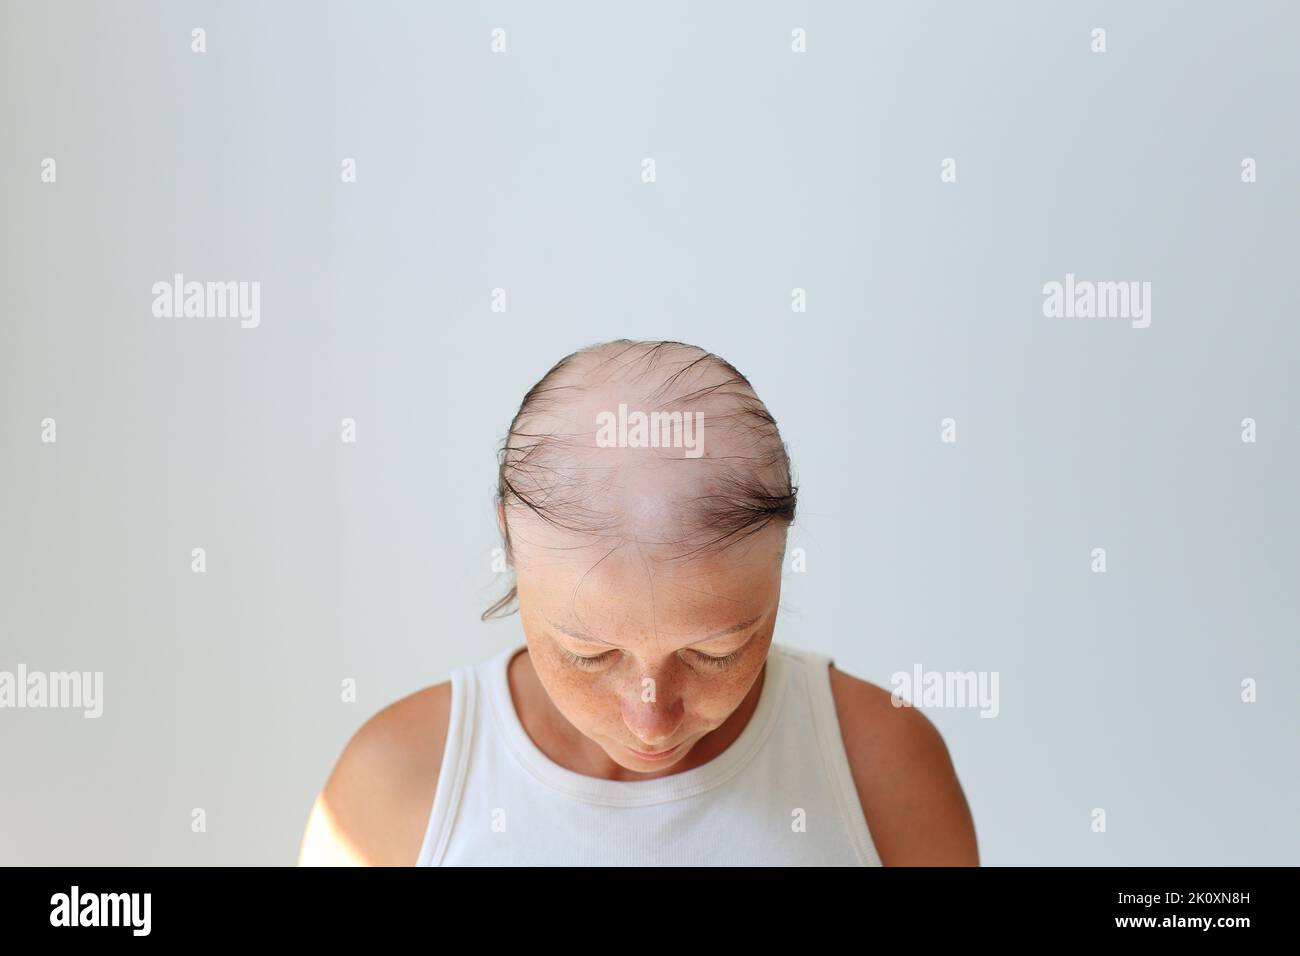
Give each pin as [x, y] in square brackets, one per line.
[649, 718]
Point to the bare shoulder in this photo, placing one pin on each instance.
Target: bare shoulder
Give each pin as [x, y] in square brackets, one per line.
[375, 806]
[914, 805]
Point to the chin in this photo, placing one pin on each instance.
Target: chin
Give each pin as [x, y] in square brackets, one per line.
[633, 762]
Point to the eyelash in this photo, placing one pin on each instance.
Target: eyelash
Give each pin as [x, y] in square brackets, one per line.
[591, 663]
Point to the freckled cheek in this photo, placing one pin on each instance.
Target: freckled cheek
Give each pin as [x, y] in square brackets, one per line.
[720, 694]
[584, 699]
[570, 684]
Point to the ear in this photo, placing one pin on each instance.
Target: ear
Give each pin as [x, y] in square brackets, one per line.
[501, 517]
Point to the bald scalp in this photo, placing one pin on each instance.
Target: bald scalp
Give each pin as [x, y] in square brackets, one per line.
[562, 485]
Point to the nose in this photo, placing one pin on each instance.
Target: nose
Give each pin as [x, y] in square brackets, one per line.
[653, 722]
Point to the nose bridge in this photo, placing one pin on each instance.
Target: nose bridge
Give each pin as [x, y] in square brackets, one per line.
[652, 711]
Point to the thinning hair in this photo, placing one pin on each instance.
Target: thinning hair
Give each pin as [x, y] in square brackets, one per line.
[543, 472]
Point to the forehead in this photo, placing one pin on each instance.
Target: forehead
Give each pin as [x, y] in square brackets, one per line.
[617, 592]
[638, 634]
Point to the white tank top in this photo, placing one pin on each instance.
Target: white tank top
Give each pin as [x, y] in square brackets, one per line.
[781, 795]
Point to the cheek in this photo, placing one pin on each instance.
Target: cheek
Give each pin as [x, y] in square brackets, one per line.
[580, 696]
[714, 697]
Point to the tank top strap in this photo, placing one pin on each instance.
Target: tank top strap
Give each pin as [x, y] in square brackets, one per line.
[815, 671]
[466, 699]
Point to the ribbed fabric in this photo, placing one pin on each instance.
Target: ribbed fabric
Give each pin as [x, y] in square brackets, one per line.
[781, 795]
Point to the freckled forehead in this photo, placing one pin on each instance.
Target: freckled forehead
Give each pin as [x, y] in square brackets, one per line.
[618, 564]
[638, 635]
[619, 596]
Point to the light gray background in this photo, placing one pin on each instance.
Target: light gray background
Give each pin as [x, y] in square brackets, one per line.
[775, 170]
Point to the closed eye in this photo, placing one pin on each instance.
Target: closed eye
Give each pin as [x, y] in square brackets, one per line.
[587, 663]
[719, 663]
[707, 660]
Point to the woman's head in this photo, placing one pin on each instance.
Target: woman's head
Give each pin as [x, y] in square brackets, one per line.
[644, 495]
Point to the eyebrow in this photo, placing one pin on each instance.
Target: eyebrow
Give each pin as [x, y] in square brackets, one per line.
[581, 636]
